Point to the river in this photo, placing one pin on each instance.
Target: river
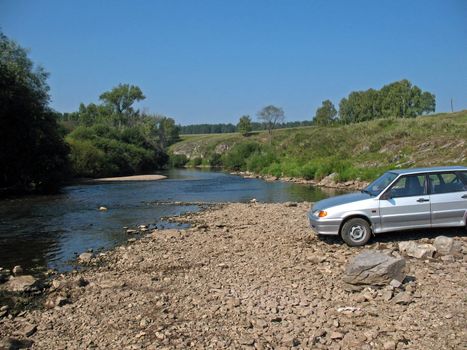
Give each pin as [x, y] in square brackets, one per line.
[38, 231]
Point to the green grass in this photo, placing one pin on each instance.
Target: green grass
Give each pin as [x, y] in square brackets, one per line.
[361, 150]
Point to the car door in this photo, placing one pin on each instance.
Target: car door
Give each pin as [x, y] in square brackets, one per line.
[448, 195]
[406, 204]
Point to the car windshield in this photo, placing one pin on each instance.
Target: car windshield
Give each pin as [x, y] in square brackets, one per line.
[380, 184]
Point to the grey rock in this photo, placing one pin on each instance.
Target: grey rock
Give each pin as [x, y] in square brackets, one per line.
[419, 251]
[85, 258]
[402, 299]
[372, 268]
[17, 270]
[24, 283]
[447, 246]
[29, 329]
[395, 283]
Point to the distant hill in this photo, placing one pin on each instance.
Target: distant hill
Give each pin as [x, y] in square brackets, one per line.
[361, 150]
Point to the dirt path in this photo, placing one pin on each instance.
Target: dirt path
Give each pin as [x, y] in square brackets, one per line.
[246, 276]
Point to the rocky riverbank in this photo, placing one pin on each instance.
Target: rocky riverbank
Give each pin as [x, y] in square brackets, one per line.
[253, 276]
[327, 182]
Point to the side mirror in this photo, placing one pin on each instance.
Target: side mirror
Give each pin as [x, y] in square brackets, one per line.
[386, 196]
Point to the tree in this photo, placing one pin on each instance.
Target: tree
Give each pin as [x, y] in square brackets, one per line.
[270, 116]
[399, 99]
[33, 155]
[325, 114]
[167, 130]
[244, 125]
[121, 99]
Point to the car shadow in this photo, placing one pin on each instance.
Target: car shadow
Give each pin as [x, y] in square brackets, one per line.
[407, 235]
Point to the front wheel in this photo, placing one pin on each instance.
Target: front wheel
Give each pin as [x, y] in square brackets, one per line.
[356, 232]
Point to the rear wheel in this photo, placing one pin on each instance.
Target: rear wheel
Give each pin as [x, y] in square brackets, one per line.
[356, 232]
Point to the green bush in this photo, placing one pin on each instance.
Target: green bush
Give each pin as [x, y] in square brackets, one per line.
[178, 160]
[215, 160]
[260, 160]
[236, 158]
[274, 169]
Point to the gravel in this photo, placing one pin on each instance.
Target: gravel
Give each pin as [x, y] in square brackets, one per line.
[246, 276]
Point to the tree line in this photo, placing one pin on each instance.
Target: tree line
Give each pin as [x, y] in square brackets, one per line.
[400, 99]
[40, 148]
[229, 127]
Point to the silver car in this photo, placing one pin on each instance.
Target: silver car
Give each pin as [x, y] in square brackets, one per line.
[398, 200]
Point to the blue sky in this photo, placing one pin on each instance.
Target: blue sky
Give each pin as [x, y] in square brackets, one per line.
[211, 61]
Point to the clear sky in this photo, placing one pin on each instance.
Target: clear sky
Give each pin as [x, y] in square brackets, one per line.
[211, 61]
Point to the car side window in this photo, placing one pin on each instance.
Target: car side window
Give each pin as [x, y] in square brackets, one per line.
[407, 186]
[446, 183]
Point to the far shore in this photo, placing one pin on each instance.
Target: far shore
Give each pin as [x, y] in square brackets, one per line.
[153, 177]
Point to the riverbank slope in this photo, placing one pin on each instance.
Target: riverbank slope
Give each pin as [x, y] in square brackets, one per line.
[249, 276]
[359, 151]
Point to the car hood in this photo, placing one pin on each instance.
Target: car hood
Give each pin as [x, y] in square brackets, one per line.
[338, 200]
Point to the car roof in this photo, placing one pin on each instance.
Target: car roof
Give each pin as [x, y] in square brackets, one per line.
[428, 170]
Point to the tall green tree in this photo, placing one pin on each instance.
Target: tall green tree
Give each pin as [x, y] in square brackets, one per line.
[325, 114]
[399, 99]
[244, 125]
[33, 155]
[270, 116]
[121, 100]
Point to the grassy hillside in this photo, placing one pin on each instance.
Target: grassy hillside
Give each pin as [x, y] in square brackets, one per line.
[361, 150]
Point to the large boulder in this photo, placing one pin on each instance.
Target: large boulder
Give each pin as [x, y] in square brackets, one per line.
[372, 268]
[447, 246]
[24, 283]
[415, 250]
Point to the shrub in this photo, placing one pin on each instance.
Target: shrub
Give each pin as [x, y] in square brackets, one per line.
[178, 160]
[235, 158]
[215, 160]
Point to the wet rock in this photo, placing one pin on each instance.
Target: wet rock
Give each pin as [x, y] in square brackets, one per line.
[102, 208]
[372, 268]
[419, 251]
[447, 246]
[131, 231]
[17, 270]
[24, 283]
[85, 258]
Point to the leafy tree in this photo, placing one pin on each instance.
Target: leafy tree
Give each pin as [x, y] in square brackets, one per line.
[270, 116]
[325, 114]
[33, 155]
[244, 125]
[399, 99]
[122, 97]
[168, 131]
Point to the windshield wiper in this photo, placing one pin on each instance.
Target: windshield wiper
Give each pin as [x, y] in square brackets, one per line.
[366, 191]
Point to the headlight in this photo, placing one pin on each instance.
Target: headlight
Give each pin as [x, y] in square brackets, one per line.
[322, 213]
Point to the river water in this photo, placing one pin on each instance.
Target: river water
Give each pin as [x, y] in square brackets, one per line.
[50, 230]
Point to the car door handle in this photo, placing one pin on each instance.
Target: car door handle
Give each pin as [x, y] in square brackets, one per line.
[464, 196]
[420, 200]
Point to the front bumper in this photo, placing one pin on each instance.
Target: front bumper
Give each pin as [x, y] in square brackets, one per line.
[324, 226]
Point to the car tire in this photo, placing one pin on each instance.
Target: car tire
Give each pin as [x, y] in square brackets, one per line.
[356, 232]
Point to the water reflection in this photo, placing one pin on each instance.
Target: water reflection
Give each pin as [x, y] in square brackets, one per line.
[49, 230]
